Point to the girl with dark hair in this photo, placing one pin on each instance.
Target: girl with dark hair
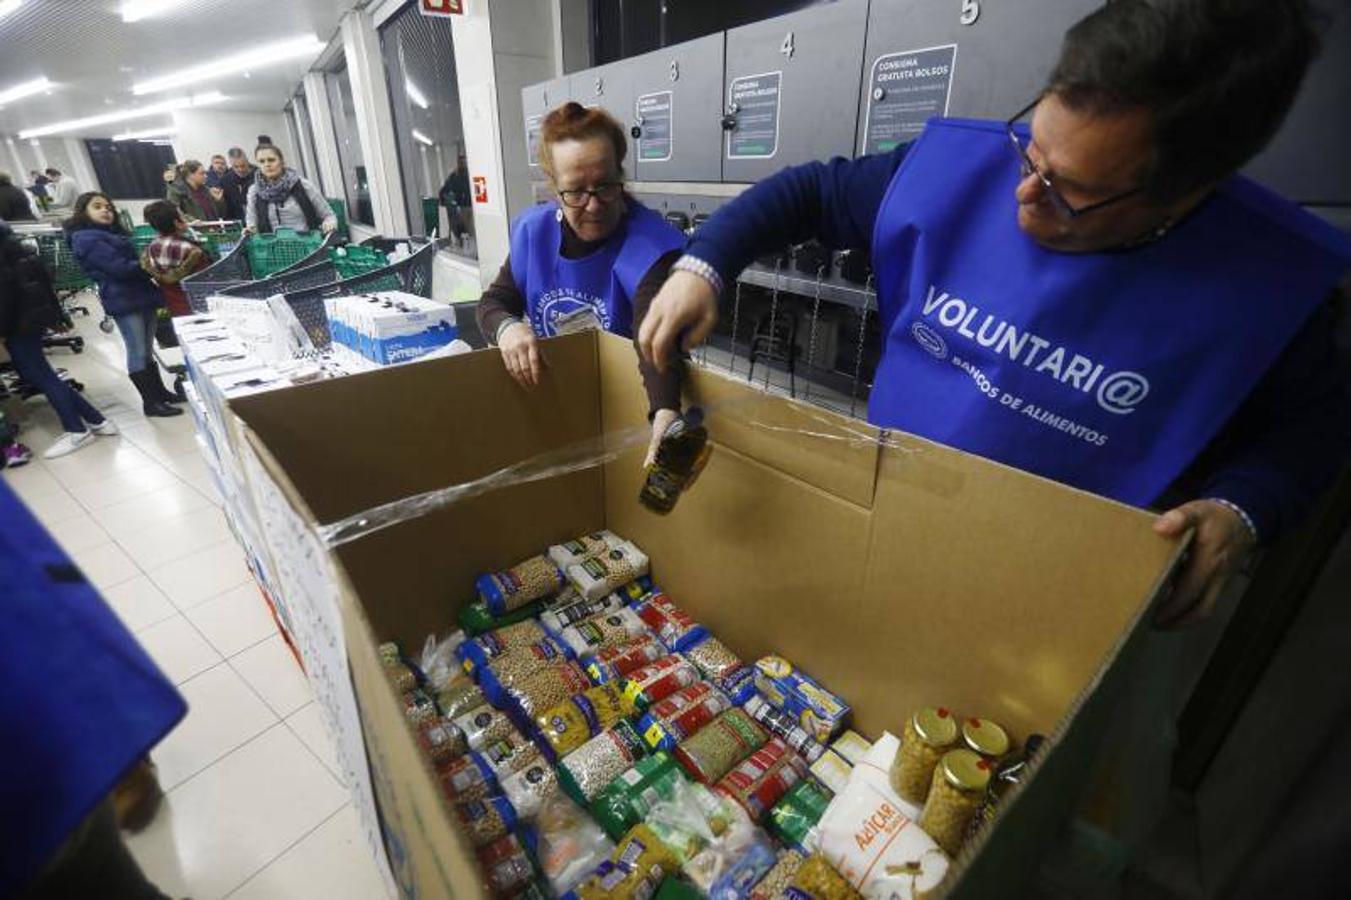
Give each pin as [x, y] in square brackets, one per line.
[104, 250]
[280, 198]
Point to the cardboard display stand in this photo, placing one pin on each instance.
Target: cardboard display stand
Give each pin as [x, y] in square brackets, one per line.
[898, 572]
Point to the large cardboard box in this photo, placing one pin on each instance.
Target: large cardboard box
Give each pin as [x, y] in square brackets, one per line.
[898, 572]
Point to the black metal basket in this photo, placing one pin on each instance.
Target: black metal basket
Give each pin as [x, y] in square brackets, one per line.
[230, 270]
[233, 275]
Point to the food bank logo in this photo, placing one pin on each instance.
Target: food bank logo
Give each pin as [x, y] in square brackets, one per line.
[1119, 393]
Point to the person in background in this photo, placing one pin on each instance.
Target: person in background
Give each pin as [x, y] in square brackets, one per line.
[62, 190]
[172, 256]
[39, 182]
[281, 198]
[28, 310]
[170, 176]
[591, 259]
[14, 203]
[236, 182]
[193, 198]
[454, 196]
[217, 171]
[105, 252]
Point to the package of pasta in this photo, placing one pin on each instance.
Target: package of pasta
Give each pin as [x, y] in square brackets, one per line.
[583, 716]
[613, 627]
[608, 571]
[659, 680]
[628, 799]
[676, 628]
[668, 722]
[719, 746]
[576, 552]
[478, 652]
[525, 582]
[816, 879]
[618, 660]
[724, 668]
[589, 768]
[633, 872]
[795, 692]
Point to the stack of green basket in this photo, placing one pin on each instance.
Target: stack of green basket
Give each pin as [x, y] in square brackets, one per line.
[354, 260]
[270, 253]
[218, 243]
[141, 236]
[339, 210]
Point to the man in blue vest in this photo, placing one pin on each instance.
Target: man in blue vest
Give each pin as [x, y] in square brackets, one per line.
[1095, 297]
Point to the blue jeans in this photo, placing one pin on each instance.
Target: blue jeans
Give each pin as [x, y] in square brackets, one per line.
[25, 351]
[138, 333]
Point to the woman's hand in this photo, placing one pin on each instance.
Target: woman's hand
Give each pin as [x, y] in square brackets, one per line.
[1221, 545]
[329, 226]
[661, 420]
[216, 193]
[680, 317]
[520, 352]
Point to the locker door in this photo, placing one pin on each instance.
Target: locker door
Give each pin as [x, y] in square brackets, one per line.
[536, 101]
[790, 88]
[977, 59]
[610, 87]
[677, 97]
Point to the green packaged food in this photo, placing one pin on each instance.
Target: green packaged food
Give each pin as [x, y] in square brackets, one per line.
[626, 800]
[475, 618]
[792, 819]
[678, 889]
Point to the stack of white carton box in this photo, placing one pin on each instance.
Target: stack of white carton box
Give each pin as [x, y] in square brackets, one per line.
[388, 327]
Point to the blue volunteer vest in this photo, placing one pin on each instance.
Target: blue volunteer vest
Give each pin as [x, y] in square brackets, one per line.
[563, 295]
[1106, 371]
[80, 700]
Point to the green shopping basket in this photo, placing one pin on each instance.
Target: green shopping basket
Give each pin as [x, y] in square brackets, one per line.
[356, 260]
[270, 253]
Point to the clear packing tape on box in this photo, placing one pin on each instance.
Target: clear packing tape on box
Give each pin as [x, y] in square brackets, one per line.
[589, 454]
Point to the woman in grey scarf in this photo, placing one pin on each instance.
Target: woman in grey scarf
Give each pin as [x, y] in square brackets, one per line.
[280, 198]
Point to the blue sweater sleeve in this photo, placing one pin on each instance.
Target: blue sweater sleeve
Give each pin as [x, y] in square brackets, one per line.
[834, 202]
[100, 258]
[1290, 438]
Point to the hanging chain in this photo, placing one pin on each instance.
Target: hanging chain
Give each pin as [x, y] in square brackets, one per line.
[858, 353]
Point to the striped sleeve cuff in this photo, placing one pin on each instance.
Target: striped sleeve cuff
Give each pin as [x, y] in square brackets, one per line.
[697, 266]
[1241, 513]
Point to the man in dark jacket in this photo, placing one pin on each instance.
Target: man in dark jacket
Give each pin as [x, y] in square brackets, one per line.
[14, 205]
[236, 183]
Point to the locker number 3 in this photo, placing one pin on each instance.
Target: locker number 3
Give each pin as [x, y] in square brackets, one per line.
[970, 12]
[786, 48]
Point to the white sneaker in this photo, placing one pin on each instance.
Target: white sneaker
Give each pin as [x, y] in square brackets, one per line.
[68, 443]
[106, 428]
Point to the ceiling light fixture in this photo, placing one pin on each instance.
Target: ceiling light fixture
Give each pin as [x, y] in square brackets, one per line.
[27, 89]
[147, 133]
[267, 55]
[122, 115]
[136, 10]
[9, 6]
[414, 94]
[422, 138]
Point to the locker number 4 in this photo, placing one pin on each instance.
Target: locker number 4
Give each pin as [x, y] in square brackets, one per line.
[970, 12]
[786, 48]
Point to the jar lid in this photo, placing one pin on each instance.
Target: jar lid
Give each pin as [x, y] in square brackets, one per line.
[966, 770]
[935, 725]
[985, 737]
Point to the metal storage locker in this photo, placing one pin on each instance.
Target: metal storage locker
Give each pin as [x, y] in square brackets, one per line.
[977, 59]
[677, 97]
[790, 89]
[536, 101]
[611, 88]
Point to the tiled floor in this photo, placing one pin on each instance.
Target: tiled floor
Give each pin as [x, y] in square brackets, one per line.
[255, 808]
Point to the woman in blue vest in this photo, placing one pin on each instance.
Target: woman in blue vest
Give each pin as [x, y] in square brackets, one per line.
[591, 259]
[1096, 297]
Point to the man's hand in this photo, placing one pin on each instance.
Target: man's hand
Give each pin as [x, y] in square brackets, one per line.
[329, 226]
[520, 352]
[685, 311]
[216, 193]
[661, 421]
[1219, 548]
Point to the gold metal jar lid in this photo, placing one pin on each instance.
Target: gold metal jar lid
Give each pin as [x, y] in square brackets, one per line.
[936, 726]
[966, 770]
[985, 737]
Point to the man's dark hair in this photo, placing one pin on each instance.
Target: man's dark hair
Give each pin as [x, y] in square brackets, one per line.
[1217, 76]
[163, 216]
[56, 172]
[236, 153]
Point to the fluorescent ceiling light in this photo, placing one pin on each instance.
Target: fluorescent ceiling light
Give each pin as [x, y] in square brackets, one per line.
[27, 89]
[135, 10]
[8, 6]
[266, 55]
[147, 133]
[122, 115]
[422, 138]
[414, 94]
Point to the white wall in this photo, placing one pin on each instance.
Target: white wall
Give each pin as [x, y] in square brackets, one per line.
[202, 133]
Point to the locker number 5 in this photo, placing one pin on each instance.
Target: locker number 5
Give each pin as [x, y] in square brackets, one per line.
[970, 12]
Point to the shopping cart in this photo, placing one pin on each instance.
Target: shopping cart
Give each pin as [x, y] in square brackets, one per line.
[235, 269]
[68, 279]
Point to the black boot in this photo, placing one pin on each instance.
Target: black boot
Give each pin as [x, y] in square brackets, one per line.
[157, 382]
[146, 381]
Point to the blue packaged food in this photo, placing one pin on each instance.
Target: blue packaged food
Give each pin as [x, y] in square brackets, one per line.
[817, 710]
[752, 864]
